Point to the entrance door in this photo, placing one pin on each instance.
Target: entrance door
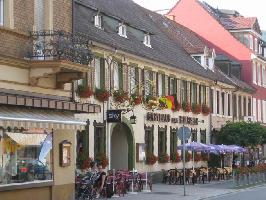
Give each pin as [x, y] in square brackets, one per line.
[121, 147]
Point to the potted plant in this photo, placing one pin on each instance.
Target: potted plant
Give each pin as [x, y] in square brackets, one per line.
[175, 157]
[151, 101]
[205, 109]
[164, 158]
[84, 91]
[120, 96]
[101, 94]
[136, 99]
[196, 108]
[102, 160]
[151, 159]
[188, 157]
[186, 107]
[177, 106]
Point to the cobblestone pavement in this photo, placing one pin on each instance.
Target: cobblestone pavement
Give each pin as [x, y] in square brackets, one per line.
[175, 192]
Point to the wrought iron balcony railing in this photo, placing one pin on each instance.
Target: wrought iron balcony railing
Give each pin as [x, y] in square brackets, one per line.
[59, 45]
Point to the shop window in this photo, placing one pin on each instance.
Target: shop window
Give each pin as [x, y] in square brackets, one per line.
[149, 140]
[183, 91]
[173, 143]
[194, 135]
[249, 106]
[99, 66]
[1, 12]
[118, 76]
[26, 155]
[203, 138]
[99, 139]
[162, 141]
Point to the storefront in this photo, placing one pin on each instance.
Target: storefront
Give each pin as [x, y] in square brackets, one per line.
[37, 153]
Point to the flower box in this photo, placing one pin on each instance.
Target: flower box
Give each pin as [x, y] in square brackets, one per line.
[164, 158]
[186, 107]
[151, 159]
[196, 108]
[175, 157]
[84, 91]
[205, 109]
[120, 96]
[101, 95]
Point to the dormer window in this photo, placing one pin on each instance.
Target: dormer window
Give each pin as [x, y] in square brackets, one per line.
[122, 30]
[147, 40]
[98, 21]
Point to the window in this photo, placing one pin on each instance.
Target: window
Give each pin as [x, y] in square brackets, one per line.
[254, 73]
[212, 100]
[172, 86]
[147, 40]
[229, 104]
[99, 139]
[197, 58]
[133, 80]
[99, 65]
[149, 139]
[173, 143]
[234, 106]
[160, 85]
[82, 150]
[256, 45]
[249, 106]
[203, 138]
[183, 91]
[118, 76]
[1, 12]
[245, 106]
[239, 106]
[193, 92]
[259, 110]
[39, 14]
[194, 133]
[223, 102]
[122, 30]
[162, 137]
[202, 94]
[259, 74]
[250, 41]
[218, 101]
[263, 76]
[148, 82]
[25, 156]
[98, 21]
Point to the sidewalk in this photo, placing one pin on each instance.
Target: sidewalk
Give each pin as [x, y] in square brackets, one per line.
[174, 192]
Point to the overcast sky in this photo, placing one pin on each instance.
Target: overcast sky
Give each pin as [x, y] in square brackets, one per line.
[248, 8]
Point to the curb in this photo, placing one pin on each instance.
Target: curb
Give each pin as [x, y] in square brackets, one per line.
[232, 192]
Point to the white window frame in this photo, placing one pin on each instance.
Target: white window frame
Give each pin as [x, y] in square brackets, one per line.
[98, 21]
[97, 67]
[122, 30]
[254, 71]
[1, 12]
[256, 45]
[259, 74]
[259, 110]
[147, 40]
[263, 76]
[254, 108]
[251, 42]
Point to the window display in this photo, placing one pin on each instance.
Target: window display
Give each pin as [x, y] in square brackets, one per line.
[25, 155]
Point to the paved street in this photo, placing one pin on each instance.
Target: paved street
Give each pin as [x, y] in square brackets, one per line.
[171, 192]
[258, 193]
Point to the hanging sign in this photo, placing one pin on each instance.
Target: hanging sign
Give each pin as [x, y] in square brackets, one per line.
[113, 116]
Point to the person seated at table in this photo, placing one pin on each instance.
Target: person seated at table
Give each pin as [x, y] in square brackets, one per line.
[100, 180]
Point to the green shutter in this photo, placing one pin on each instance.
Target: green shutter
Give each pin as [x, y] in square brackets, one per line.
[120, 76]
[102, 73]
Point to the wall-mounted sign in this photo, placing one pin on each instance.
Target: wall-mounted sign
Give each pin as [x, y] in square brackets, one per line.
[64, 153]
[157, 117]
[141, 153]
[113, 116]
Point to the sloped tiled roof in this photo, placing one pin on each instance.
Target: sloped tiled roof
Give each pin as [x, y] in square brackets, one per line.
[236, 23]
[165, 49]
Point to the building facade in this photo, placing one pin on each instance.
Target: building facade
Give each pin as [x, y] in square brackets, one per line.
[39, 60]
[234, 36]
[152, 77]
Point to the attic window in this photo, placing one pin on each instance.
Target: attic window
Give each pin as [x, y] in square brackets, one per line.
[98, 21]
[147, 40]
[122, 30]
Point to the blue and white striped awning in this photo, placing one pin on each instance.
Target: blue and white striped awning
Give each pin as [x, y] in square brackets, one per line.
[38, 118]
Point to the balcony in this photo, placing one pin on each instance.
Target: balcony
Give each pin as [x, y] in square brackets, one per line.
[57, 53]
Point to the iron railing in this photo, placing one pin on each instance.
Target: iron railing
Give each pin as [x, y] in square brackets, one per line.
[59, 45]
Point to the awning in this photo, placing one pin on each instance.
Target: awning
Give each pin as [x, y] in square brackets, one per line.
[38, 118]
[25, 139]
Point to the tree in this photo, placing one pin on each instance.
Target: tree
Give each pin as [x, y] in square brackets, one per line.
[242, 133]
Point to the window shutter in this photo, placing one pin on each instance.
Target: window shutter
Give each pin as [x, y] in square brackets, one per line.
[102, 73]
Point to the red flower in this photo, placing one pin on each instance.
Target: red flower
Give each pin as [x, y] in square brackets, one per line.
[205, 109]
[186, 106]
[101, 95]
[151, 159]
[120, 96]
[175, 157]
[84, 91]
[164, 158]
[196, 108]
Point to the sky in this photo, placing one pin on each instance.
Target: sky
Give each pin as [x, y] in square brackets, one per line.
[247, 8]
